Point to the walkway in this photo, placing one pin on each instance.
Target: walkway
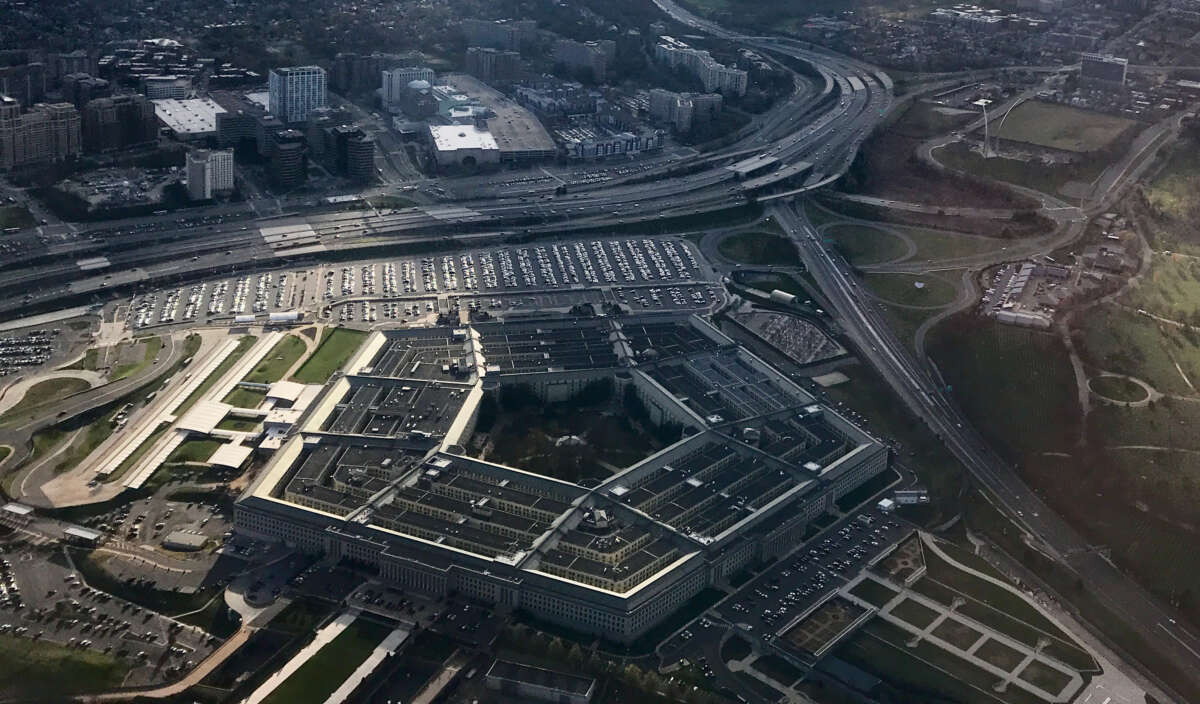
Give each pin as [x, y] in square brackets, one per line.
[322, 637]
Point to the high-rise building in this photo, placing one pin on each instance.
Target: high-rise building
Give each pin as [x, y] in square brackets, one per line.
[295, 91]
[488, 64]
[588, 56]
[78, 61]
[81, 88]
[46, 133]
[209, 173]
[499, 34]
[1103, 69]
[357, 73]
[356, 153]
[396, 80]
[289, 159]
[119, 122]
[684, 110]
[21, 79]
[715, 76]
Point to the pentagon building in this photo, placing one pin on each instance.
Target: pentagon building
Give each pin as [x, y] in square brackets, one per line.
[377, 471]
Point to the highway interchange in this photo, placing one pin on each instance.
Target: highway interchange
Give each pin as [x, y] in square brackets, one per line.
[815, 134]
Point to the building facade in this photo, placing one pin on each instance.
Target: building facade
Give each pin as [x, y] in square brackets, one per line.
[396, 80]
[488, 64]
[119, 122]
[295, 92]
[209, 173]
[592, 56]
[47, 133]
[715, 76]
[499, 34]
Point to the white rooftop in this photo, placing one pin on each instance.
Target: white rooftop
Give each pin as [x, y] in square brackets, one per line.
[188, 116]
[448, 138]
[204, 416]
[18, 509]
[230, 455]
[286, 390]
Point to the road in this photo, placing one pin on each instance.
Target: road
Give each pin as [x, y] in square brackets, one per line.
[912, 381]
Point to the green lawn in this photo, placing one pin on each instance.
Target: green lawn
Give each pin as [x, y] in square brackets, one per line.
[278, 361]
[1173, 191]
[1016, 384]
[759, 249]
[243, 346]
[1030, 174]
[43, 671]
[194, 450]
[1062, 127]
[1171, 288]
[42, 393]
[956, 633]
[393, 202]
[873, 592]
[914, 612]
[242, 425]
[1117, 388]
[1002, 656]
[1045, 677]
[911, 289]
[336, 348]
[863, 245]
[90, 360]
[15, 216]
[153, 346]
[1118, 340]
[242, 397]
[937, 245]
[332, 664]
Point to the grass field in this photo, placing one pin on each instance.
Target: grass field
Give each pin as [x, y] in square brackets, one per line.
[1045, 677]
[43, 671]
[152, 345]
[278, 361]
[337, 346]
[873, 592]
[1173, 192]
[911, 290]
[245, 398]
[42, 393]
[1061, 127]
[15, 216]
[1015, 383]
[90, 360]
[914, 612]
[1171, 288]
[759, 249]
[956, 633]
[241, 425]
[1002, 656]
[1117, 388]
[1030, 174]
[862, 245]
[332, 664]
[736, 648]
[243, 346]
[194, 451]
[1118, 340]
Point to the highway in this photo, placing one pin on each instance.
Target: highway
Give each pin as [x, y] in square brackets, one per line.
[914, 383]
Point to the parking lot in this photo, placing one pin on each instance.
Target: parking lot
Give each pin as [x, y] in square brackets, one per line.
[789, 587]
[660, 273]
[56, 606]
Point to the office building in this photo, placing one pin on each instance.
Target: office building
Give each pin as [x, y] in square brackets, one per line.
[713, 75]
[46, 133]
[396, 80]
[209, 173]
[1102, 69]
[289, 159]
[119, 122]
[158, 87]
[499, 34]
[385, 480]
[356, 154]
[79, 89]
[589, 57]
[295, 92]
[488, 64]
